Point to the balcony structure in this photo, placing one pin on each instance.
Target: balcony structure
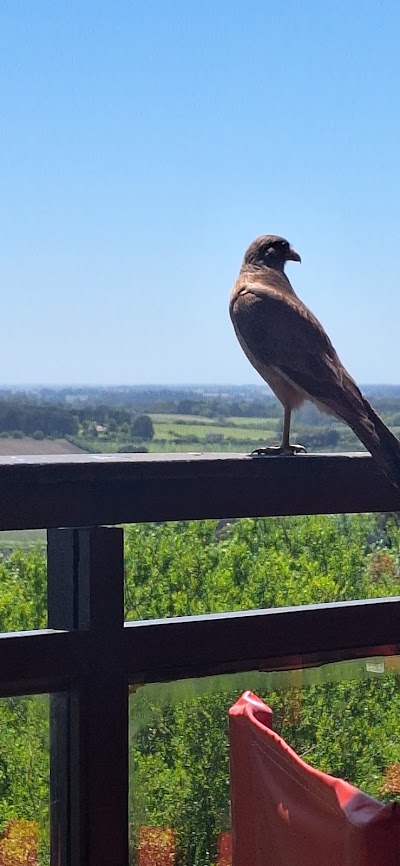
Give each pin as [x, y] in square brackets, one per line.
[88, 657]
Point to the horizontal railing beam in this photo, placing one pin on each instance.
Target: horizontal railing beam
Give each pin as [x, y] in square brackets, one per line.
[170, 649]
[93, 490]
[275, 639]
[41, 661]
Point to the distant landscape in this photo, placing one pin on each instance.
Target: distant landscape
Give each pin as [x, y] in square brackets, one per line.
[62, 420]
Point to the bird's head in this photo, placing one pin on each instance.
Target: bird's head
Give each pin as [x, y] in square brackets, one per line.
[270, 251]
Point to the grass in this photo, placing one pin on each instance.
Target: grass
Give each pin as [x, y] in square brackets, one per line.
[256, 423]
[244, 432]
[162, 418]
[177, 433]
[171, 447]
[22, 538]
[214, 425]
[174, 431]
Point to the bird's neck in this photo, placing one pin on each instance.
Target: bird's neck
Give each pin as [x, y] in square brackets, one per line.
[274, 277]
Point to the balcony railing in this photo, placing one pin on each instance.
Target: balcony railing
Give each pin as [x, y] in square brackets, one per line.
[88, 653]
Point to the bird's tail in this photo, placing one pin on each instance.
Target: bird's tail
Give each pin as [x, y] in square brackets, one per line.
[376, 436]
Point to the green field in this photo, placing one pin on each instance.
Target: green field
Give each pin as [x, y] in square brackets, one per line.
[22, 538]
[228, 426]
[174, 433]
[177, 432]
[185, 433]
[247, 432]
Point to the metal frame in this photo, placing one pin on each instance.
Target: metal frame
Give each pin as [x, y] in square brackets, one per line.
[91, 656]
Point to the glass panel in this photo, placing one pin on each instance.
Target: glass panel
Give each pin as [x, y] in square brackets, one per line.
[23, 580]
[179, 569]
[342, 718]
[24, 781]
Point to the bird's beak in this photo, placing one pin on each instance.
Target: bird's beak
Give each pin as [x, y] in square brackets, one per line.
[293, 256]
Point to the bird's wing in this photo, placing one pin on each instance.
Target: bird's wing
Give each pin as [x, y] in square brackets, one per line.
[281, 332]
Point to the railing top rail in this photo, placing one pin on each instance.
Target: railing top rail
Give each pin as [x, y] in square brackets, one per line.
[140, 462]
[90, 490]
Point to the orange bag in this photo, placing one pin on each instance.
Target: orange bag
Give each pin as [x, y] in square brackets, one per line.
[285, 813]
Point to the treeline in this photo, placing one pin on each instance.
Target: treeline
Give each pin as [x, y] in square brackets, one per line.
[19, 417]
[249, 401]
[121, 405]
[102, 414]
[225, 408]
[31, 418]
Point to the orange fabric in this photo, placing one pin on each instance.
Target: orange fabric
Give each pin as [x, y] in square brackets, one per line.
[286, 813]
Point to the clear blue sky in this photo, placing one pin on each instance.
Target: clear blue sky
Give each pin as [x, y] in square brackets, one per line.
[143, 145]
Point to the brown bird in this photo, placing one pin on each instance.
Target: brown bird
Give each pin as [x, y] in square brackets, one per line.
[289, 348]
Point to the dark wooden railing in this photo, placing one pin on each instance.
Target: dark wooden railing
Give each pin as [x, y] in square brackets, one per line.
[88, 657]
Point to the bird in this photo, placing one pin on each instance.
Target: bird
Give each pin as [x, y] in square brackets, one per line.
[291, 351]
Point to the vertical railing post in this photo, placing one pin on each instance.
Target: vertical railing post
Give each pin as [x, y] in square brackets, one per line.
[89, 730]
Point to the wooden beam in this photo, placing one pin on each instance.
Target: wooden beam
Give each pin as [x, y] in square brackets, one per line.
[40, 661]
[89, 731]
[111, 489]
[168, 649]
[275, 639]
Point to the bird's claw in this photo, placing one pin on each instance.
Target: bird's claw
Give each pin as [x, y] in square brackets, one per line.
[277, 450]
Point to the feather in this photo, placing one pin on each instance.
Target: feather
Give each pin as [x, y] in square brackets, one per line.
[288, 346]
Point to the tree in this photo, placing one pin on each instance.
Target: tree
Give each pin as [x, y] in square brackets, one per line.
[125, 429]
[112, 425]
[142, 428]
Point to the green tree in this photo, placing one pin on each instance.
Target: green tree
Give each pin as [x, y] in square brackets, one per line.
[112, 425]
[142, 428]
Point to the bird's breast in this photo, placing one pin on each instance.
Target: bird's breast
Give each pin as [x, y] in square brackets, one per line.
[242, 306]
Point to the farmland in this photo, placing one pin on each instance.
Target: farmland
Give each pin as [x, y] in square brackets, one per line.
[177, 432]
[174, 433]
[170, 419]
[10, 446]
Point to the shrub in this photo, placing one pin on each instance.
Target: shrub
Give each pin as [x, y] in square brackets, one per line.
[19, 844]
[214, 438]
[128, 448]
[142, 428]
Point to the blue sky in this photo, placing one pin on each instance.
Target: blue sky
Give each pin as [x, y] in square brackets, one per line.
[143, 145]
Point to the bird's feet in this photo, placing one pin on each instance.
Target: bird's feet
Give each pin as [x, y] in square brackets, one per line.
[274, 450]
